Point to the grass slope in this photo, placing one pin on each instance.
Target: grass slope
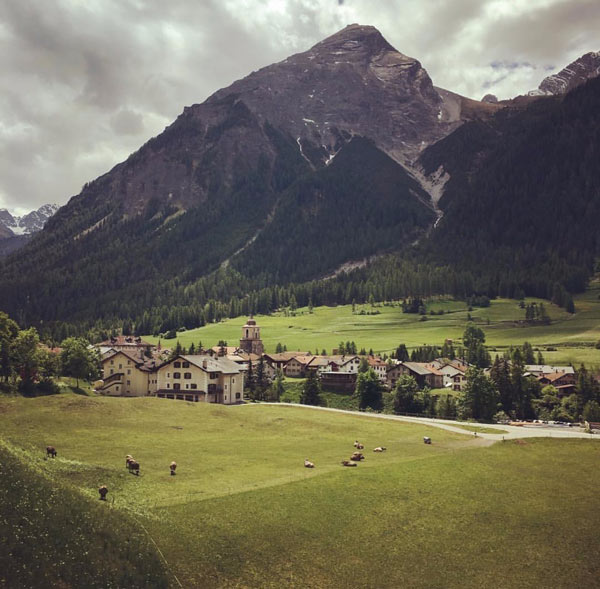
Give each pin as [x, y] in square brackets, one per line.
[52, 536]
[572, 335]
[243, 512]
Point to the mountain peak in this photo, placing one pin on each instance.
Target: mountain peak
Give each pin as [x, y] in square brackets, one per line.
[355, 38]
[575, 74]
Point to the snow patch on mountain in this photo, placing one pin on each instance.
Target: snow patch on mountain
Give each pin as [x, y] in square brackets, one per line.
[26, 224]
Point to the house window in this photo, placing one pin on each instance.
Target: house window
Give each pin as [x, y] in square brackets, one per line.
[193, 386]
[233, 380]
[120, 366]
[177, 375]
[128, 383]
[238, 396]
[117, 389]
[168, 375]
[187, 375]
[128, 362]
[112, 371]
[112, 362]
[176, 386]
[185, 365]
[129, 371]
[177, 364]
[214, 375]
[187, 386]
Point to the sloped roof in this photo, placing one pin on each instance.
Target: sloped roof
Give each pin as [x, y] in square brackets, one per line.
[210, 364]
[418, 368]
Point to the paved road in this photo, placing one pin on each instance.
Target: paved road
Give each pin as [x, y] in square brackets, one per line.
[514, 432]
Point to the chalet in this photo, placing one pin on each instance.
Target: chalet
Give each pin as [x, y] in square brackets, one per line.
[319, 364]
[201, 378]
[125, 343]
[562, 381]
[279, 360]
[128, 373]
[453, 378]
[343, 363]
[420, 371]
[539, 370]
[297, 367]
[379, 366]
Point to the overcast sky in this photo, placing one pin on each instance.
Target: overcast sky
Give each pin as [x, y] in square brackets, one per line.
[86, 82]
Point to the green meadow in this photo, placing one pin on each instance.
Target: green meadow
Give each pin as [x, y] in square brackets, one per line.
[573, 336]
[242, 510]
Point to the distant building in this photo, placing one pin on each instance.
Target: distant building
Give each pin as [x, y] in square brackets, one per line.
[250, 341]
[129, 373]
[201, 378]
[124, 343]
[342, 382]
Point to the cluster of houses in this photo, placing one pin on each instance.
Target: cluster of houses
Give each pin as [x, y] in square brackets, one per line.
[133, 367]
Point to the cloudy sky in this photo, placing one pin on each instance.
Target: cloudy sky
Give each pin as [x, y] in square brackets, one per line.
[86, 82]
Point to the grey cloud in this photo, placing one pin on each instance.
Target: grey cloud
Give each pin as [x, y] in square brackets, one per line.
[127, 122]
[85, 84]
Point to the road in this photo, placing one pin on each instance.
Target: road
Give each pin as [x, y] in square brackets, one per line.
[512, 432]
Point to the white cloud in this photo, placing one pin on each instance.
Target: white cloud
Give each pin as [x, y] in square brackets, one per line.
[85, 84]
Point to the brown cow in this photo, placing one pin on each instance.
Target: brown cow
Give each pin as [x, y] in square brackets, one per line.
[173, 466]
[348, 463]
[134, 466]
[51, 451]
[128, 459]
[308, 463]
[358, 445]
[103, 491]
[357, 456]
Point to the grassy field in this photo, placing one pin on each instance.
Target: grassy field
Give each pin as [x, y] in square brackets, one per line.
[574, 336]
[243, 512]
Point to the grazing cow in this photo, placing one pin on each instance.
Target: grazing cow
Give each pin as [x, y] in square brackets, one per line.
[134, 466]
[103, 491]
[308, 463]
[348, 463]
[357, 456]
[380, 449]
[173, 466]
[128, 459]
[51, 451]
[426, 440]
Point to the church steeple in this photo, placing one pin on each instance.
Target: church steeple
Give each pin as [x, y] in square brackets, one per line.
[250, 341]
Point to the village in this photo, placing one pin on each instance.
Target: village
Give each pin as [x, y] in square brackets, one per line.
[132, 367]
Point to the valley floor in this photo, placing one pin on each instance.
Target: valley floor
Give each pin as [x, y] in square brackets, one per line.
[242, 510]
[569, 339]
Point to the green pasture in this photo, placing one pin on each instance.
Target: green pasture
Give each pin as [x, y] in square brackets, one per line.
[242, 510]
[574, 336]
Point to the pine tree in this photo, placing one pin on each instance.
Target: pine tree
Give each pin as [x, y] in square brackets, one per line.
[480, 397]
[311, 390]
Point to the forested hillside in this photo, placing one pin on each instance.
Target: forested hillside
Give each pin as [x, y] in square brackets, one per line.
[522, 204]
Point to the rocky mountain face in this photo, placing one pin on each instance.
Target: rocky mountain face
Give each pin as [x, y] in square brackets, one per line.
[15, 231]
[11, 225]
[352, 83]
[333, 155]
[575, 74]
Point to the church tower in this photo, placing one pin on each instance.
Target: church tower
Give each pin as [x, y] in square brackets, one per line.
[251, 342]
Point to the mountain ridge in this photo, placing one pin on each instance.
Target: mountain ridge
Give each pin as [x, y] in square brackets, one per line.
[339, 153]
